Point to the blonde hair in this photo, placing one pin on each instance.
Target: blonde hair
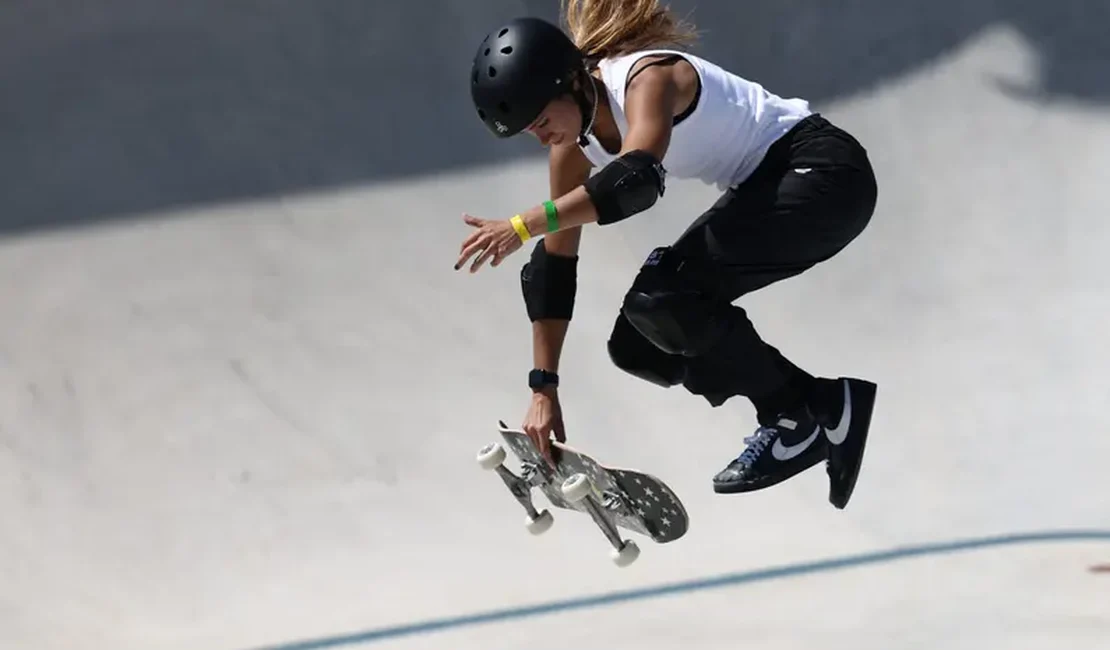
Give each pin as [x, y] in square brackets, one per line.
[608, 28]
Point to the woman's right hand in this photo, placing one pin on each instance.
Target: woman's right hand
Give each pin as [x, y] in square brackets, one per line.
[544, 417]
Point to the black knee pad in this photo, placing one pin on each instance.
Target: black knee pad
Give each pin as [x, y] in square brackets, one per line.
[672, 304]
[637, 356]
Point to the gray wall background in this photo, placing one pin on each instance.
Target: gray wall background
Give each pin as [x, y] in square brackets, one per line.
[118, 107]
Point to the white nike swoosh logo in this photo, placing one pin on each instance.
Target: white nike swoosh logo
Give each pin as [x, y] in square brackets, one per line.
[840, 433]
[783, 452]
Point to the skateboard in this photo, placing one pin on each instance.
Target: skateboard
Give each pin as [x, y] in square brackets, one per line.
[613, 497]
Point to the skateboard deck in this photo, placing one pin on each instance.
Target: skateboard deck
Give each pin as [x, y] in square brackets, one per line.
[614, 497]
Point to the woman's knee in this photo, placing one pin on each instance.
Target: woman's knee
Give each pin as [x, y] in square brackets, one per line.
[671, 303]
[630, 351]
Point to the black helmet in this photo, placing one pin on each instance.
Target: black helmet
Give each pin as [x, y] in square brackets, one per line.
[518, 69]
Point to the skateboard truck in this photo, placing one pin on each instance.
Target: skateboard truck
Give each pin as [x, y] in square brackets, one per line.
[577, 489]
[492, 456]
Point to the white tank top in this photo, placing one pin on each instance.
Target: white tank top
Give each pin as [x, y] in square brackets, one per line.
[725, 137]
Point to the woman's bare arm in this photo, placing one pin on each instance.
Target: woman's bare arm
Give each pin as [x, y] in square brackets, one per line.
[649, 108]
[569, 168]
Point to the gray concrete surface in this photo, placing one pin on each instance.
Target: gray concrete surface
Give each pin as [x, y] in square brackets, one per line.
[241, 402]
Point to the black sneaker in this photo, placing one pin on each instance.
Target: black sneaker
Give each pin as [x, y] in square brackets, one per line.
[776, 451]
[847, 437]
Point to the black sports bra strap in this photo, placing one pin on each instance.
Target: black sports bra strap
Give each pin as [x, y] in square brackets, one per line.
[670, 58]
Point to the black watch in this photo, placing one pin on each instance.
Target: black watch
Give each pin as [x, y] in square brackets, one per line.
[538, 379]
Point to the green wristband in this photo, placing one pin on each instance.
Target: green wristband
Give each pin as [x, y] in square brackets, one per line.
[552, 216]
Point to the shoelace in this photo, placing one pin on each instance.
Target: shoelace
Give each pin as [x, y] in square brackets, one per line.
[757, 442]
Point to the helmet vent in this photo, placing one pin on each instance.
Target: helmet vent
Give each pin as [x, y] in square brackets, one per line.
[502, 33]
[508, 49]
[487, 52]
[492, 72]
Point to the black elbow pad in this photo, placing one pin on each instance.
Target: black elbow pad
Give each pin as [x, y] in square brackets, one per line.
[627, 186]
[549, 284]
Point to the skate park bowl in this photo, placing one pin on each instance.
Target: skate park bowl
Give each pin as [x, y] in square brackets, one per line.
[244, 389]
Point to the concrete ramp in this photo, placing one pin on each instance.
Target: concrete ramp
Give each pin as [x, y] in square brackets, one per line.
[243, 389]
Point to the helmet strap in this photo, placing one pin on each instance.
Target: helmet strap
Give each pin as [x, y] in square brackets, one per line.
[584, 105]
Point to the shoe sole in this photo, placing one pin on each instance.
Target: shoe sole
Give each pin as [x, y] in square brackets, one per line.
[863, 406]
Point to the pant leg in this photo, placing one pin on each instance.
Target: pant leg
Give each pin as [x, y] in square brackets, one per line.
[813, 194]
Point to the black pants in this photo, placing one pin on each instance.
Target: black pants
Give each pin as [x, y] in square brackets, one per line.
[814, 192]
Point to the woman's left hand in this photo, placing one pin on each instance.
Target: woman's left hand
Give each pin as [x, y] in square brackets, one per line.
[492, 240]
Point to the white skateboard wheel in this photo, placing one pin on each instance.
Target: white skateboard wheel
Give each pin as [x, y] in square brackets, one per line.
[540, 524]
[576, 487]
[626, 555]
[491, 456]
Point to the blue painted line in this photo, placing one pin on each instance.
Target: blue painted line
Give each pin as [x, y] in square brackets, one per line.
[702, 584]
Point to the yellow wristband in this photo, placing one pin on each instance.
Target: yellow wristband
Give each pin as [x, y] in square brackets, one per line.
[520, 228]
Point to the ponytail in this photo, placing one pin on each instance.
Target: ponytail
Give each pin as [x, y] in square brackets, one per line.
[608, 28]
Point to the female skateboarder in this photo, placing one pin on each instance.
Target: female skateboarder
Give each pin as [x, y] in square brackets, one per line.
[621, 105]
